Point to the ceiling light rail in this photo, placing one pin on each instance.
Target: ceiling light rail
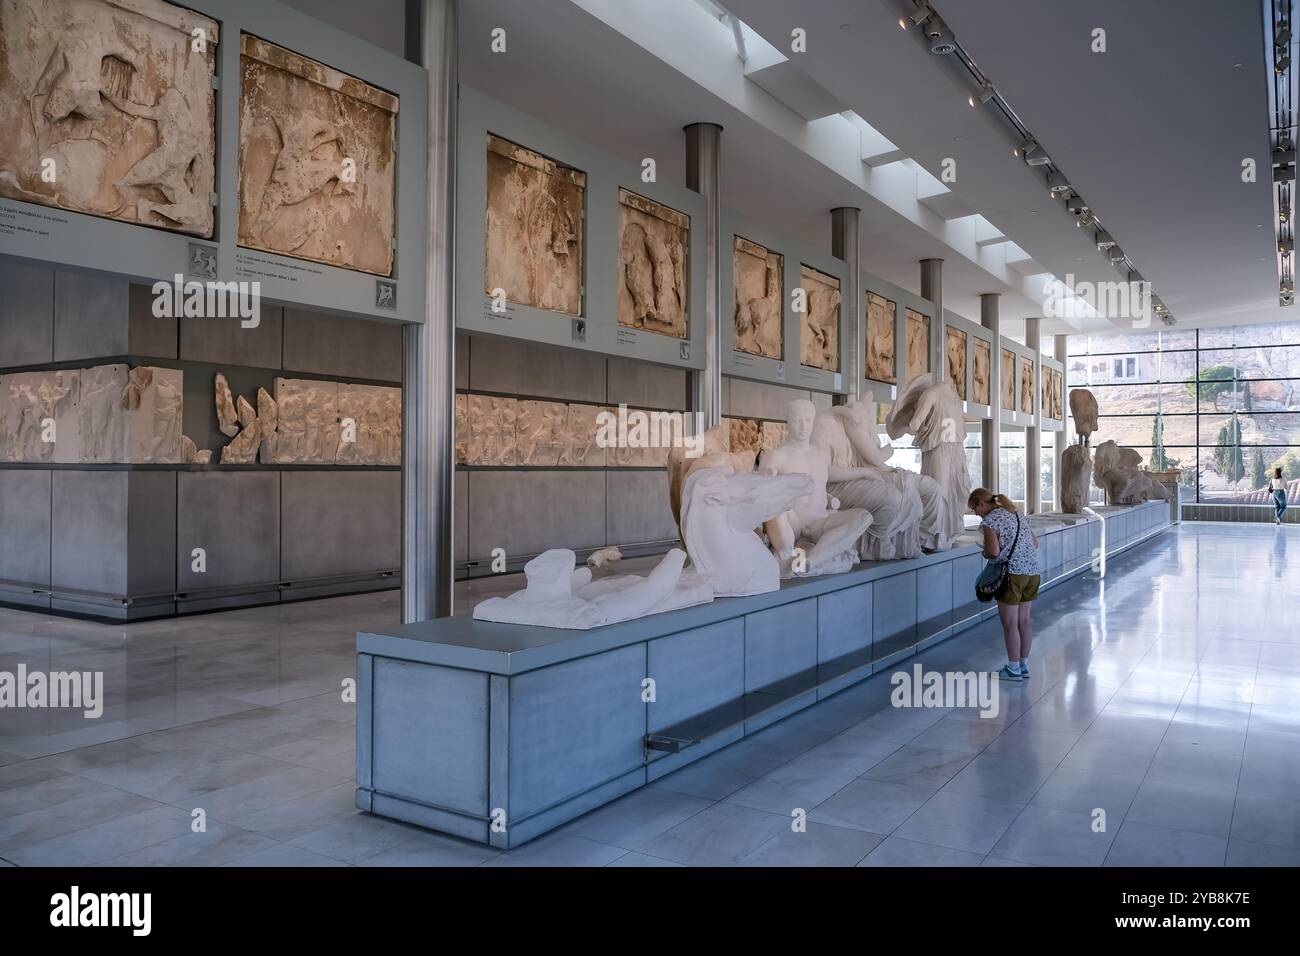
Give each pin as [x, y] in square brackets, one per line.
[920, 13]
[1279, 40]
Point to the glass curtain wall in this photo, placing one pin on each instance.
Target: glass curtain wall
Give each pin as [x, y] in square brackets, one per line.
[1222, 406]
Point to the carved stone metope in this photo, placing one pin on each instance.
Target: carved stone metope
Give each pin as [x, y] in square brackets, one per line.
[107, 109]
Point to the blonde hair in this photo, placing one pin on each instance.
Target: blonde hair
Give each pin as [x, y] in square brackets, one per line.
[981, 495]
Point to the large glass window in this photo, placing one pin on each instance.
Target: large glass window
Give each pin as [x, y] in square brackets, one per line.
[1220, 405]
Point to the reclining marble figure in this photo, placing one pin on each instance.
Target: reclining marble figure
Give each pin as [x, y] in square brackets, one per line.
[712, 454]
[905, 507]
[721, 507]
[814, 523]
[559, 594]
[1119, 473]
[931, 412]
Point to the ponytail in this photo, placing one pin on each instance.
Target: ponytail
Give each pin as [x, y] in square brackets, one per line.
[982, 495]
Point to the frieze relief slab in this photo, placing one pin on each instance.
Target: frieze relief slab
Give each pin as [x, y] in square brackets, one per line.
[307, 431]
[881, 334]
[652, 252]
[955, 351]
[534, 228]
[980, 372]
[107, 109]
[317, 161]
[1027, 386]
[758, 284]
[918, 344]
[1009, 380]
[819, 328]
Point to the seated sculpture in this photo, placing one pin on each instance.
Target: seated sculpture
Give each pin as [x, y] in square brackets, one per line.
[814, 520]
[905, 507]
[721, 507]
[559, 594]
[1119, 473]
[931, 412]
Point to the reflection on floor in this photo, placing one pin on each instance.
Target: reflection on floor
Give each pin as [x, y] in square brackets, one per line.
[1166, 699]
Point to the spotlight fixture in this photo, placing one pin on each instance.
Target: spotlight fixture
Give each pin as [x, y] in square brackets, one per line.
[1032, 153]
[983, 96]
[917, 16]
[1104, 241]
[1168, 319]
[1286, 298]
[942, 42]
[1283, 36]
[1057, 183]
[1086, 219]
[1116, 255]
[1286, 246]
[1283, 64]
[1074, 203]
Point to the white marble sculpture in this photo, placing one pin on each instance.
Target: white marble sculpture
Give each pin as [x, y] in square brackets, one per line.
[602, 557]
[102, 422]
[243, 448]
[721, 508]
[153, 398]
[308, 422]
[932, 414]
[1083, 408]
[713, 453]
[860, 478]
[370, 425]
[40, 419]
[814, 524]
[563, 596]
[1118, 472]
[1076, 472]
[227, 420]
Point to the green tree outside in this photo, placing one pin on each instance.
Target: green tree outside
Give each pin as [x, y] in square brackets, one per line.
[1258, 479]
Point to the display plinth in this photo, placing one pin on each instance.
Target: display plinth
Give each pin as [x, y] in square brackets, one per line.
[499, 733]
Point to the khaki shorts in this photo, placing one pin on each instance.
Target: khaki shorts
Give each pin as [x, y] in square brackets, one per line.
[1021, 589]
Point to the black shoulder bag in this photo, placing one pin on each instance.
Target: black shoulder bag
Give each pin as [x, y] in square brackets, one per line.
[994, 580]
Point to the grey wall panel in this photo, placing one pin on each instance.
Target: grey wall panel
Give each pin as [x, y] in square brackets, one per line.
[90, 316]
[447, 768]
[644, 385]
[235, 517]
[463, 343]
[933, 590]
[25, 526]
[88, 535]
[748, 399]
[558, 752]
[695, 671]
[346, 348]
[965, 570]
[227, 342]
[147, 334]
[893, 605]
[779, 642]
[26, 314]
[200, 410]
[527, 512]
[637, 507]
[460, 517]
[843, 622]
[151, 534]
[522, 368]
[339, 522]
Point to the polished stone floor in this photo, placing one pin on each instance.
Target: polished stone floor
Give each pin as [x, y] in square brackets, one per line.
[1167, 698]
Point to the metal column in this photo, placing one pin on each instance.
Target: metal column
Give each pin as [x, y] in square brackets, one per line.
[991, 428]
[844, 245]
[932, 289]
[703, 173]
[1033, 434]
[428, 348]
[1062, 348]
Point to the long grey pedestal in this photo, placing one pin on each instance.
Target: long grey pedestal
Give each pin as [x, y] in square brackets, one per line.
[499, 733]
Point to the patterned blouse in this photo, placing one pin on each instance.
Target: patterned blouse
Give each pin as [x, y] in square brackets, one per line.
[1024, 560]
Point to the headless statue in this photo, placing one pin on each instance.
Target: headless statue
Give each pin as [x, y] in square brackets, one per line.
[813, 517]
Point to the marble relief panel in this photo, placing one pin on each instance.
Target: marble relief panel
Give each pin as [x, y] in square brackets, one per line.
[1027, 386]
[38, 417]
[534, 228]
[819, 328]
[153, 401]
[107, 110]
[759, 293]
[492, 431]
[540, 432]
[918, 344]
[745, 435]
[1058, 407]
[580, 446]
[881, 331]
[370, 425]
[307, 431]
[980, 372]
[955, 351]
[317, 161]
[1009, 380]
[651, 265]
[462, 429]
[1045, 386]
[775, 434]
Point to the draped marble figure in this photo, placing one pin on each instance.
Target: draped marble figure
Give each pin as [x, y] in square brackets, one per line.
[932, 414]
[859, 478]
[1118, 472]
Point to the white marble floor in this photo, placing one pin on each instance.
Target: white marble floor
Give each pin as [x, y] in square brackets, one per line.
[1166, 698]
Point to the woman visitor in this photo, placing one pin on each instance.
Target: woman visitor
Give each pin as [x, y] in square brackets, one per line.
[1278, 487]
[1001, 523]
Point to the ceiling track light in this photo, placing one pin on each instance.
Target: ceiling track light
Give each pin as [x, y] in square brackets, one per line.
[1282, 64]
[1074, 203]
[1104, 240]
[983, 96]
[917, 16]
[1032, 153]
[1057, 183]
[1116, 255]
[942, 42]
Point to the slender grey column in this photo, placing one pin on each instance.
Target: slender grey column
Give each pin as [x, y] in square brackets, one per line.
[991, 428]
[844, 245]
[932, 289]
[1061, 346]
[703, 174]
[1034, 435]
[429, 348]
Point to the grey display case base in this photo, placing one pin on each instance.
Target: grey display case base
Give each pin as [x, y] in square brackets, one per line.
[499, 733]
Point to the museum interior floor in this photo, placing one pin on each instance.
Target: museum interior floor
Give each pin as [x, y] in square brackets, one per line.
[1166, 698]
